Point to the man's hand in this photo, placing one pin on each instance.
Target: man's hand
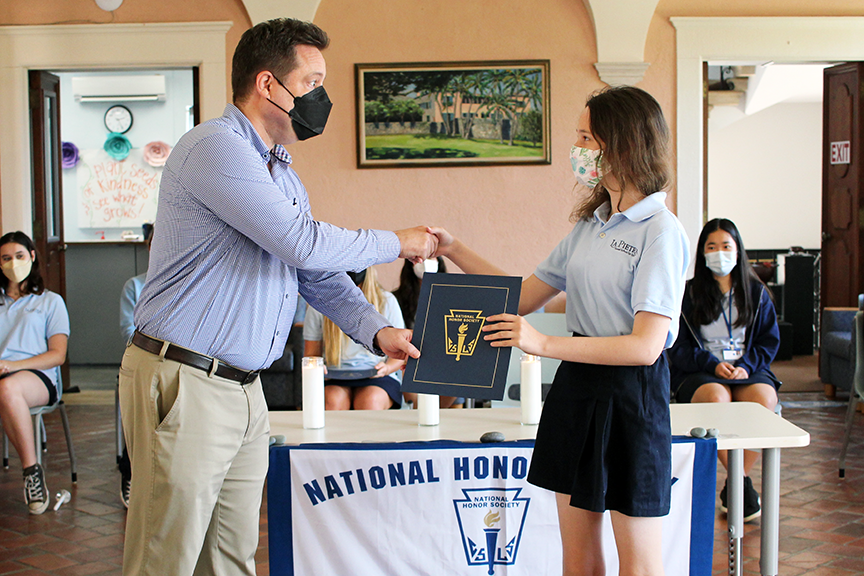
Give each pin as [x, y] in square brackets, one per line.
[417, 243]
[396, 343]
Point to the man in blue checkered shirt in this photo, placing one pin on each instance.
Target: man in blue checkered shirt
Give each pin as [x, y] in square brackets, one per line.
[236, 243]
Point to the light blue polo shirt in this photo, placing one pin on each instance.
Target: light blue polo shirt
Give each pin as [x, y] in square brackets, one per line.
[27, 323]
[613, 267]
[128, 299]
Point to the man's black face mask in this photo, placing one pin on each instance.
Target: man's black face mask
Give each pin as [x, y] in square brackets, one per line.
[310, 112]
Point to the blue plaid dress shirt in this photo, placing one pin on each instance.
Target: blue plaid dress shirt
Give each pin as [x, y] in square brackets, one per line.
[234, 242]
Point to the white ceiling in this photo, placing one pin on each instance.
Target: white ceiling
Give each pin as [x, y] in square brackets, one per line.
[788, 83]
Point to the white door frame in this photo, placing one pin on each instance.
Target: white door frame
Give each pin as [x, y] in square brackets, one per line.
[106, 46]
[698, 40]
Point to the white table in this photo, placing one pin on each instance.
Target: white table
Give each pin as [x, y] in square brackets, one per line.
[742, 425]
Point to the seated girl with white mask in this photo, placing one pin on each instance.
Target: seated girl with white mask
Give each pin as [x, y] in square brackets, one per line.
[728, 336]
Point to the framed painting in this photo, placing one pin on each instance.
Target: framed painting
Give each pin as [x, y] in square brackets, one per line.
[452, 113]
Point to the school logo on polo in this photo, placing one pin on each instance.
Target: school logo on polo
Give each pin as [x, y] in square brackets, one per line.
[491, 522]
[462, 330]
[624, 247]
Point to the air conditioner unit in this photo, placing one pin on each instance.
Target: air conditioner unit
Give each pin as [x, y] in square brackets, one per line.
[118, 88]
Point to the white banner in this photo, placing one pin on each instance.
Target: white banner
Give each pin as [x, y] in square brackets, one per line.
[436, 509]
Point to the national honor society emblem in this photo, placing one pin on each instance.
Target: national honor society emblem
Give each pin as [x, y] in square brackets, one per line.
[462, 331]
[491, 521]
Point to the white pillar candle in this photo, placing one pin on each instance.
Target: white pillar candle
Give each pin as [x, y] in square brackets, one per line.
[530, 389]
[427, 408]
[313, 392]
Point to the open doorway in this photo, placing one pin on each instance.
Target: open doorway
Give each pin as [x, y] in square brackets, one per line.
[765, 151]
[764, 172]
[117, 128]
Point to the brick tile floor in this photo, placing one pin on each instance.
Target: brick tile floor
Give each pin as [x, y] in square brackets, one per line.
[821, 525]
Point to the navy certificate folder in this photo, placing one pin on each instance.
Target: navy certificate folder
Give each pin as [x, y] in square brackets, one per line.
[455, 360]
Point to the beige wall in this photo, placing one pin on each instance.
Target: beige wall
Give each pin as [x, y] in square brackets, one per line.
[513, 215]
[27, 12]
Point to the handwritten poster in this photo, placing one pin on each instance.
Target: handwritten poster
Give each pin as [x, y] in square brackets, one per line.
[116, 194]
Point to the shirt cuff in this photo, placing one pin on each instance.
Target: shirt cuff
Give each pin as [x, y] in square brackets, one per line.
[369, 327]
[389, 246]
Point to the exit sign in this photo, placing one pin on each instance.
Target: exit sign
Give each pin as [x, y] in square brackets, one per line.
[840, 152]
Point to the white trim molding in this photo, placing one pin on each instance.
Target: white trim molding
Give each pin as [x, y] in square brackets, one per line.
[107, 46]
[738, 40]
[621, 73]
[261, 10]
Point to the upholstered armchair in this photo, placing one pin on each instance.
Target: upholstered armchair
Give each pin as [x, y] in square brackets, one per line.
[837, 347]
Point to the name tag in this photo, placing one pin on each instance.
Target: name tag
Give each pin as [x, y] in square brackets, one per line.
[731, 354]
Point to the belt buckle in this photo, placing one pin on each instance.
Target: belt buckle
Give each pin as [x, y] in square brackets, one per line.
[250, 377]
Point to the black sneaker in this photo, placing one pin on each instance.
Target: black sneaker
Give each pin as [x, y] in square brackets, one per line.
[35, 492]
[125, 488]
[752, 510]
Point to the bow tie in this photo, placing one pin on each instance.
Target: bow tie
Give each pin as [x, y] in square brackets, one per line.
[280, 153]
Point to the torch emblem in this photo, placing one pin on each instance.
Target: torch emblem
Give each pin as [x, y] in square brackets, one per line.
[462, 331]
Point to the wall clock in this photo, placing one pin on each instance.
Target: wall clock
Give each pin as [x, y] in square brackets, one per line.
[118, 119]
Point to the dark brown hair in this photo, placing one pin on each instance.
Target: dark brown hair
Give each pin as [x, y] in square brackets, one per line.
[629, 124]
[33, 284]
[271, 46]
[703, 288]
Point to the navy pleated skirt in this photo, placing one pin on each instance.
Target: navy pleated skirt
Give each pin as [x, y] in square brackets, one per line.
[605, 438]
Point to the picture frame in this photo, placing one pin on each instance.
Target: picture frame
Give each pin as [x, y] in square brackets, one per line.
[452, 114]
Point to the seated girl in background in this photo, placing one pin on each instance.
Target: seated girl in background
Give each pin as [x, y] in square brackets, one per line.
[728, 337]
[346, 360]
[34, 332]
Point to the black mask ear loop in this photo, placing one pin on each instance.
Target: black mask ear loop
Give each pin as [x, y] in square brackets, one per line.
[286, 89]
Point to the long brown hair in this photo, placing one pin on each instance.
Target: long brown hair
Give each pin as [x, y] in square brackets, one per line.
[629, 124]
[333, 336]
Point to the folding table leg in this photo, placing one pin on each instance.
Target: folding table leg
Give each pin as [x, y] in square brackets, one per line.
[768, 564]
[735, 509]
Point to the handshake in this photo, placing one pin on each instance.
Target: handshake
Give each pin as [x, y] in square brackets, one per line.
[422, 242]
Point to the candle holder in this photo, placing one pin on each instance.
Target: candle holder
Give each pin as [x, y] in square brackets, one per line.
[428, 409]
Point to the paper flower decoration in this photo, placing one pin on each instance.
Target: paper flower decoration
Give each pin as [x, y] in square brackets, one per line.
[156, 153]
[70, 154]
[117, 146]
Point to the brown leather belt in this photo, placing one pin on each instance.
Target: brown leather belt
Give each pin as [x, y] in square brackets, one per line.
[194, 359]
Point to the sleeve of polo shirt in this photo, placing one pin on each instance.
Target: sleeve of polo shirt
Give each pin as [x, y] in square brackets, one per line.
[658, 283]
[57, 321]
[553, 270]
[313, 326]
[336, 296]
[392, 311]
[233, 182]
[128, 298]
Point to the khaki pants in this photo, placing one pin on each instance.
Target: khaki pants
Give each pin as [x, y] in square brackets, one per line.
[198, 447]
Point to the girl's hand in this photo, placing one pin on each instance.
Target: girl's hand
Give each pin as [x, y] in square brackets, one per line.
[725, 370]
[445, 240]
[385, 368]
[739, 373]
[512, 330]
[6, 367]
